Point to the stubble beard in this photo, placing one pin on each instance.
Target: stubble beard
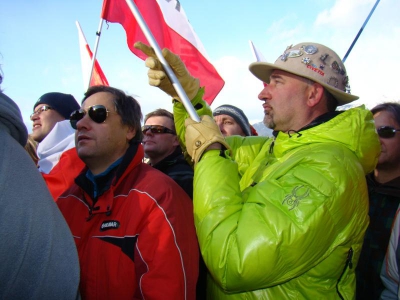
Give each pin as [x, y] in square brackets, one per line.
[269, 121]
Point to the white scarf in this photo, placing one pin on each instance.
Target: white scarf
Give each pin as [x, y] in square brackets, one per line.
[61, 138]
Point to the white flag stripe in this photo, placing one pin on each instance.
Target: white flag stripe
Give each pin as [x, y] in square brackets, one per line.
[85, 58]
[175, 17]
[257, 54]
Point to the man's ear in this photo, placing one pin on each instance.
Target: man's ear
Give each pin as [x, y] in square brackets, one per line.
[176, 141]
[130, 134]
[315, 94]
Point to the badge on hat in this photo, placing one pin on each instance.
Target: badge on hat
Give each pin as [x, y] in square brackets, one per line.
[310, 49]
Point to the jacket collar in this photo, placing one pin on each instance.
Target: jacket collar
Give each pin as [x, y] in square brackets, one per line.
[109, 180]
[391, 188]
[170, 159]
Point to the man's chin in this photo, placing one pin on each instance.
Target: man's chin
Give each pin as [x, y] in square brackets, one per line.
[269, 123]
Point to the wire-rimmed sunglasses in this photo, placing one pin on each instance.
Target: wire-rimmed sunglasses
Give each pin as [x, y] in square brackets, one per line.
[157, 129]
[98, 113]
[386, 132]
[40, 110]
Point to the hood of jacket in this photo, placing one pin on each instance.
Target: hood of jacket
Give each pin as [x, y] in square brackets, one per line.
[11, 120]
[354, 128]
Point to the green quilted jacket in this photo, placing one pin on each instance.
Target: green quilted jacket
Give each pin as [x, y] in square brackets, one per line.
[285, 217]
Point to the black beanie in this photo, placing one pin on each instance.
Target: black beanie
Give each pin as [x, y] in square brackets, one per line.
[64, 104]
[237, 114]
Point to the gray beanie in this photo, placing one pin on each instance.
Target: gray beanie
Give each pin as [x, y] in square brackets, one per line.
[64, 104]
[237, 114]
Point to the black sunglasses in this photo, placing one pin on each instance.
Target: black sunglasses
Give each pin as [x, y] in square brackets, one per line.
[98, 113]
[386, 132]
[157, 129]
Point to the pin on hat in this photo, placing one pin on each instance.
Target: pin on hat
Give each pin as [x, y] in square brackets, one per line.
[313, 61]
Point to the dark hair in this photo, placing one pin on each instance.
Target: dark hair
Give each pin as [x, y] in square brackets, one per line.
[126, 106]
[160, 112]
[391, 107]
[331, 102]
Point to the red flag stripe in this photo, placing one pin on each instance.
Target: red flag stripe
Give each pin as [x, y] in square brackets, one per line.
[98, 77]
[117, 11]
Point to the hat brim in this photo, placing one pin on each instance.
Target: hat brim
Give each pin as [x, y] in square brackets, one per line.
[263, 71]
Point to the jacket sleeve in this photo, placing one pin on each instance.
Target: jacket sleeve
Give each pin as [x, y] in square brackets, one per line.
[278, 229]
[180, 115]
[390, 266]
[168, 262]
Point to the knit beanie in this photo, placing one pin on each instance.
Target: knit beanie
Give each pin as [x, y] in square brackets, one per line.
[237, 114]
[64, 104]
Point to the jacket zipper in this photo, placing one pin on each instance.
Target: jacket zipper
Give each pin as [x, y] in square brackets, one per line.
[89, 207]
[349, 263]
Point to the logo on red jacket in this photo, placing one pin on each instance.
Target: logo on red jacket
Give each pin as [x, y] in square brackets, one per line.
[107, 225]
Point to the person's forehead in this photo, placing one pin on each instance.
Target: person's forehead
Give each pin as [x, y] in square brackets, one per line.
[385, 118]
[100, 98]
[224, 118]
[40, 105]
[159, 120]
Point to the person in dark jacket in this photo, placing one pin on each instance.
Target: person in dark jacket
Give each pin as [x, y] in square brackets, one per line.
[161, 147]
[38, 255]
[384, 199]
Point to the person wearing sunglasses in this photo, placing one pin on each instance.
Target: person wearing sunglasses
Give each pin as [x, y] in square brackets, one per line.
[133, 225]
[58, 161]
[281, 217]
[384, 199]
[161, 147]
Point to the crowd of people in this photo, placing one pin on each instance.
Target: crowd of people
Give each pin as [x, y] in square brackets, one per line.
[179, 209]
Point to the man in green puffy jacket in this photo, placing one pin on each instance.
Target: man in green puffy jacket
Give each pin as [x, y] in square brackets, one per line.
[282, 217]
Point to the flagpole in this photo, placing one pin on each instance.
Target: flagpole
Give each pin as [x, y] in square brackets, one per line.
[171, 75]
[360, 31]
[98, 33]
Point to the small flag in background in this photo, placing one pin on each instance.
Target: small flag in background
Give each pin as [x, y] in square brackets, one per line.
[257, 55]
[169, 25]
[98, 77]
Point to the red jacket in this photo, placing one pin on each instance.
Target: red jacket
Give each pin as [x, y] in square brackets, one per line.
[138, 241]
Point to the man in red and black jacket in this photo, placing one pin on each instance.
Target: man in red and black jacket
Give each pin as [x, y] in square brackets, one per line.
[133, 225]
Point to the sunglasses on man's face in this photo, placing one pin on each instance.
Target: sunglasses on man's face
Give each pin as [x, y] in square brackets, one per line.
[98, 113]
[157, 129]
[386, 132]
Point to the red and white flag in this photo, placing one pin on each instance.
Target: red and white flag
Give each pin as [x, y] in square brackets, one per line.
[171, 29]
[98, 77]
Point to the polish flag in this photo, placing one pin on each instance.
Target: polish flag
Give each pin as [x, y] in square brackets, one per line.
[171, 29]
[98, 77]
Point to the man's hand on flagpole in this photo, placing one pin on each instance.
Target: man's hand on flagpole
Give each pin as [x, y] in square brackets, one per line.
[202, 136]
[158, 78]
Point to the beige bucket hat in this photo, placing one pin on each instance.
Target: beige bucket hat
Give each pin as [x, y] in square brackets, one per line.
[313, 61]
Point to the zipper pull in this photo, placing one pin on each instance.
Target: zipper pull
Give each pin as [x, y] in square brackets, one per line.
[350, 258]
[90, 214]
